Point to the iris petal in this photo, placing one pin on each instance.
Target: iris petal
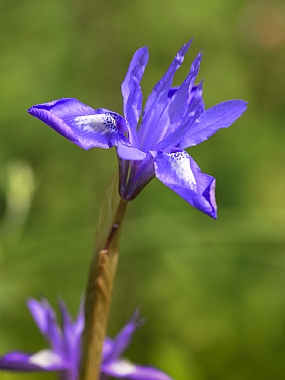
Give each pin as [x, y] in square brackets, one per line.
[81, 124]
[176, 107]
[107, 347]
[158, 99]
[124, 337]
[209, 122]
[130, 153]
[44, 360]
[194, 110]
[132, 94]
[17, 361]
[180, 173]
[123, 369]
[71, 344]
[46, 320]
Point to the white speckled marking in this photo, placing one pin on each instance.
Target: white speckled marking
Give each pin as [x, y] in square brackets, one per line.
[123, 367]
[100, 123]
[180, 165]
[45, 358]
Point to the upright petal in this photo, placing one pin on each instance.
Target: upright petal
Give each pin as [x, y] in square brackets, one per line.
[107, 348]
[46, 320]
[72, 332]
[80, 320]
[221, 115]
[81, 124]
[132, 94]
[158, 99]
[195, 108]
[177, 106]
[124, 337]
[180, 173]
[69, 340]
[172, 91]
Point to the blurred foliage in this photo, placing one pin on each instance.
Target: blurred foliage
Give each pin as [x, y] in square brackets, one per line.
[212, 292]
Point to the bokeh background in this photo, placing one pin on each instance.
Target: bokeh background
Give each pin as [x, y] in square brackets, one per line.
[212, 292]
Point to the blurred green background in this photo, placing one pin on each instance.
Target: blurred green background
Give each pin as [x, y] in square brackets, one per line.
[212, 292]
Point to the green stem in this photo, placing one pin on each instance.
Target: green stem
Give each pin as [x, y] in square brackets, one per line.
[99, 288]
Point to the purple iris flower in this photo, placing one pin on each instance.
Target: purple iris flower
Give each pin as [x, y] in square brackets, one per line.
[173, 119]
[64, 352]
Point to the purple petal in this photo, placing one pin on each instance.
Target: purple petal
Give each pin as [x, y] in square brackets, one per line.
[44, 360]
[17, 361]
[80, 320]
[176, 107]
[67, 324]
[158, 99]
[194, 110]
[81, 124]
[130, 153]
[39, 314]
[72, 332]
[45, 318]
[132, 94]
[124, 369]
[107, 348]
[220, 116]
[70, 339]
[172, 91]
[124, 337]
[180, 173]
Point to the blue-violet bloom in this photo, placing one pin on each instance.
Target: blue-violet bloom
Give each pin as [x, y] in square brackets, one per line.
[65, 348]
[173, 119]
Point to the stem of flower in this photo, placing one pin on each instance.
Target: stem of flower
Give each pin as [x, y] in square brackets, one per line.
[99, 288]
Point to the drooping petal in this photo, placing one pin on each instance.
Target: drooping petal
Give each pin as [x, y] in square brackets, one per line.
[124, 337]
[17, 361]
[49, 360]
[158, 99]
[81, 124]
[124, 369]
[221, 115]
[46, 320]
[180, 173]
[132, 94]
[44, 360]
[176, 107]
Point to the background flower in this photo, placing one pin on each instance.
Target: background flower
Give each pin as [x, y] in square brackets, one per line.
[65, 348]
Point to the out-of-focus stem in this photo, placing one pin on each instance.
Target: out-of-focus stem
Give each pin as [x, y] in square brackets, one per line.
[99, 288]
